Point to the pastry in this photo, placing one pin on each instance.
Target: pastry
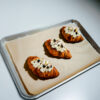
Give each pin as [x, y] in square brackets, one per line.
[56, 48]
[41, 67]
[71, 33]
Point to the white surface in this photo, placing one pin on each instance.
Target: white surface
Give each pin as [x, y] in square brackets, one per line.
[21, 15]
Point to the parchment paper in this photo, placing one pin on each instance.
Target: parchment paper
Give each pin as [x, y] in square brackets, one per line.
[83, 55]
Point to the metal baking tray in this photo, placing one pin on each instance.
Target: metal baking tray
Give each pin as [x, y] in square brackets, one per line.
[11, 67]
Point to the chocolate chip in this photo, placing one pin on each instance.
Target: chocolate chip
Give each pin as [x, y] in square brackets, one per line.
[76, 33]
[58, 45]
[54, 40]
[47, 67]
[61, 46]
[75, 30]
[44, 66]
[38, 60]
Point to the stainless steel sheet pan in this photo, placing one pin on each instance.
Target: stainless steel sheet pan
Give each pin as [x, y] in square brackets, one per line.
[11, 66]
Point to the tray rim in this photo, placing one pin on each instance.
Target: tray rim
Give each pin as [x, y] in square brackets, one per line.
[16, 79]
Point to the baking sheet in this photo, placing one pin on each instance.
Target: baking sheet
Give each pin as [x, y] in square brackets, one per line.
[83, 55]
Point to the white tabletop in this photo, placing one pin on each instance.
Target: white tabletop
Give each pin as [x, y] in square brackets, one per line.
[21, 15]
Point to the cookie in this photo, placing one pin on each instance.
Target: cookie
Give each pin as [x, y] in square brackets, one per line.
[56, 48]
[71, 33]
[41, 67]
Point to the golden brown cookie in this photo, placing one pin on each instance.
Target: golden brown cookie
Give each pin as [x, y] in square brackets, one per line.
[57, 48]
[41, 67]
[71, 33]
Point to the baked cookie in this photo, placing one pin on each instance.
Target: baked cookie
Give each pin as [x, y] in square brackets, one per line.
[56, 48]
[41, 67]
[71, 33]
